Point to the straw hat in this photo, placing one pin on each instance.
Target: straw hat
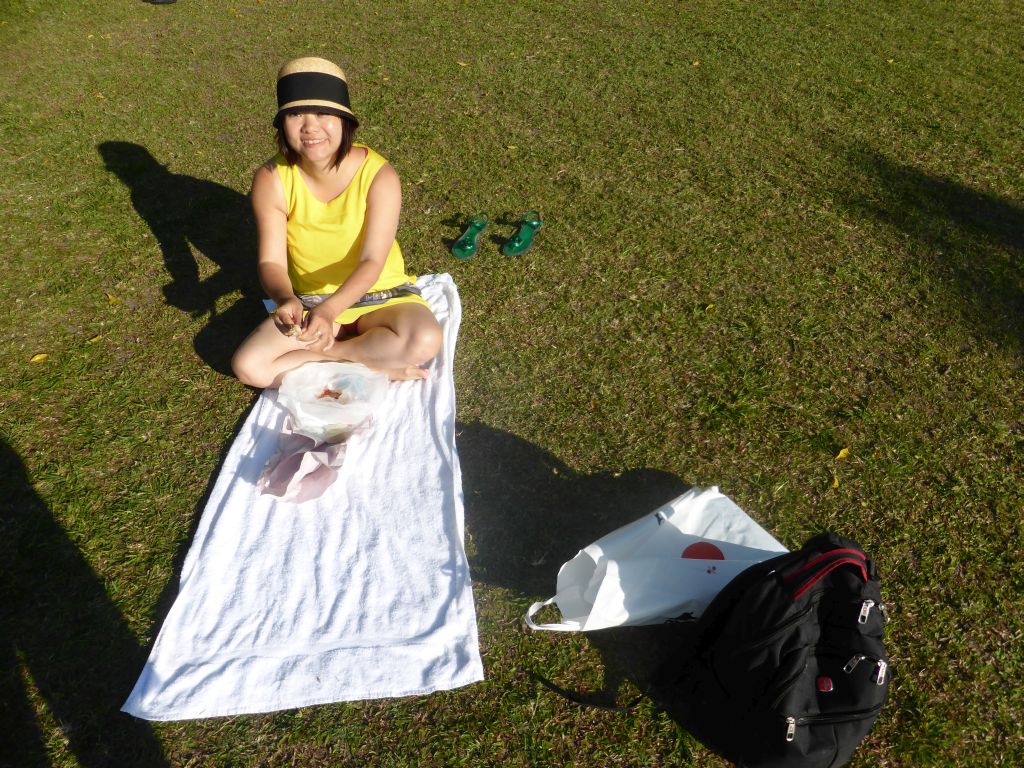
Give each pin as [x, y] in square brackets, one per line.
[312, 82]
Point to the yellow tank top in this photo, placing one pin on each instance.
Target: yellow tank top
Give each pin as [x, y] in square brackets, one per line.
[324, 239]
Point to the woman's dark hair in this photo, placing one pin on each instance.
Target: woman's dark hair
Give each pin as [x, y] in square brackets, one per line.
[348, 137]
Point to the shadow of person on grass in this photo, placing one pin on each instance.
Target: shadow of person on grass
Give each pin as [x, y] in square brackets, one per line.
[527, 513]
[189, 216]
[974, 240]
[64, 645]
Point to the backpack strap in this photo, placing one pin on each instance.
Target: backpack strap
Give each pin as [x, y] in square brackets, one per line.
[585, 701]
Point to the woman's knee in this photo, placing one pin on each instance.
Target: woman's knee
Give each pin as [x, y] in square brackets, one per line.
[247, 368]
[423, 342]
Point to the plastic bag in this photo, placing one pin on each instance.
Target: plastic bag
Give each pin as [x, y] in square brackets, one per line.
[669, 562]
[330, 401]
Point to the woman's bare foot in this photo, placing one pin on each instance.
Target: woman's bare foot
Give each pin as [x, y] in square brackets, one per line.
[409, 373]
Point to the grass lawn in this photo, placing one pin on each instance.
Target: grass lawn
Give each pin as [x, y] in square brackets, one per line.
[773, 231]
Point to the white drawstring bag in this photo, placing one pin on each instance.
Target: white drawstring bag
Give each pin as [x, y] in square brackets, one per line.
[670, 562]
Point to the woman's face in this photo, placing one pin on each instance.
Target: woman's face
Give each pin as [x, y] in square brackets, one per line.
[315, 136]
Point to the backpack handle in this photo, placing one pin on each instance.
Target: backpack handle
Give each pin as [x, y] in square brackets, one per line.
[820, 567]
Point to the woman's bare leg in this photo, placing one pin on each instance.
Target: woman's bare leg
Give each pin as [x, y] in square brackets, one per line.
[395, 339]
[267, 354]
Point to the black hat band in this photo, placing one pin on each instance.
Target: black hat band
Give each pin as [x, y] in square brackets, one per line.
[304, 88]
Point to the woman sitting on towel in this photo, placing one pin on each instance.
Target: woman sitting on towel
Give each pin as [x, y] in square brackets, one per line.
[326, 214]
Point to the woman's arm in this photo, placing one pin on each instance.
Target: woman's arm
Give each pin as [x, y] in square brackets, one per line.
[383, 207]
[272, 229]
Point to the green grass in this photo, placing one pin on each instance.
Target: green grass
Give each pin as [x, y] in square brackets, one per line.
[772, 231]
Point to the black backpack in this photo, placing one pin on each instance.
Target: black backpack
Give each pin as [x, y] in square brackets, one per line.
[786, 667]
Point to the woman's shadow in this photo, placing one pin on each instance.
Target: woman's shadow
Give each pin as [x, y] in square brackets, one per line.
[527, 513]
[185, 215]
[62, 635]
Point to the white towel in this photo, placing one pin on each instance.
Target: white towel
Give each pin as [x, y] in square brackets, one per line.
[362, 593]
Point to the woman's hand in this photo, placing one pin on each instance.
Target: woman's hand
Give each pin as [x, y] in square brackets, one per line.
[288, 316]
[318, 330]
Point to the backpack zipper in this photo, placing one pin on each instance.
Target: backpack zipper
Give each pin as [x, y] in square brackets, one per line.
[839, 717]
[865, 611]
[786, 685]
[853, 662]
[881, 667]
[880, 671]
[779, 629]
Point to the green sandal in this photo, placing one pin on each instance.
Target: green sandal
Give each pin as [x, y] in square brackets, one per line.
[522, 240]
[466, 246]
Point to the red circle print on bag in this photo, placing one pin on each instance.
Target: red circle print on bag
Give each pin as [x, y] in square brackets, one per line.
[703, 550]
